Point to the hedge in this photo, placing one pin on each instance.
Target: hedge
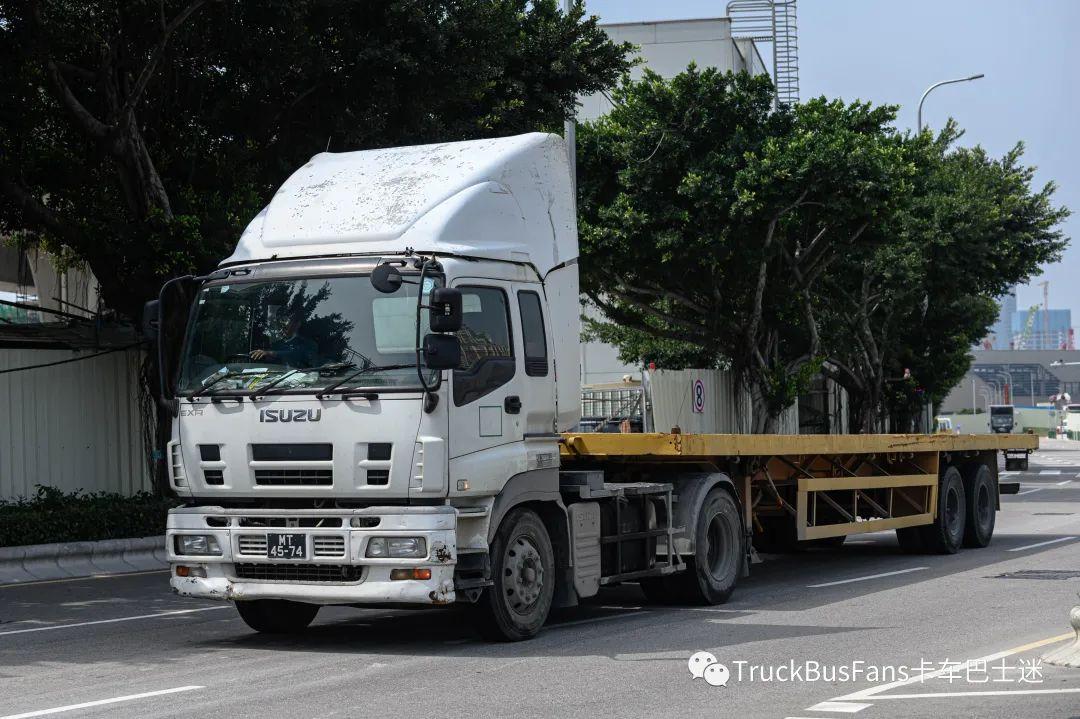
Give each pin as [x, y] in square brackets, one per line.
[53, 516]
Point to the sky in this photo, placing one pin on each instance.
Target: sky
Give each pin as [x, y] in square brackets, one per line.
[890, 51]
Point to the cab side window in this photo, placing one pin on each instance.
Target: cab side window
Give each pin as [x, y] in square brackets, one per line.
[532, 334]
[487, 355]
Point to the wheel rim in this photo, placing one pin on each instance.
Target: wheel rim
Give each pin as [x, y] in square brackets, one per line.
[523, 575]
[982, 506]
[718, 538]
[952, 509]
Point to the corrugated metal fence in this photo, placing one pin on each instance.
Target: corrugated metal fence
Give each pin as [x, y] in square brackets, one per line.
[72, 426]
[721, 407]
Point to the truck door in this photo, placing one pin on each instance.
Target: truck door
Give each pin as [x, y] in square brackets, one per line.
[486, 403]
[538, 384]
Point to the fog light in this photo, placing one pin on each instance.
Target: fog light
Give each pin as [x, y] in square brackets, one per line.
[198, 545]
[422, 574]
[185, 571]
[397, 547]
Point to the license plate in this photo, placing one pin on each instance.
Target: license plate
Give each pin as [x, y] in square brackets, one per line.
[286, 546]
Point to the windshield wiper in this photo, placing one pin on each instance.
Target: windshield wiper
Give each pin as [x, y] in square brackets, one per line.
[256, 391]
[363, 370]
[208, 384]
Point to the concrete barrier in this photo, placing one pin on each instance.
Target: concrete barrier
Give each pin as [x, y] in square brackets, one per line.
[37, 562]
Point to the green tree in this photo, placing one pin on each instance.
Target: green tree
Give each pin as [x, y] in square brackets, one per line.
[139, 136]
[707, 221]
[909, 307]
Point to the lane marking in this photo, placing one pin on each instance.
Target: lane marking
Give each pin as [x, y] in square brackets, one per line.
[110, 575]
[1050, 471]
[1029, 491]
[1040, 544]
[874, 692]
[863, 579]
[101, 702]
[838, 707]
[999, 693]
[586, 621]
[1067, 481]
[110, 621]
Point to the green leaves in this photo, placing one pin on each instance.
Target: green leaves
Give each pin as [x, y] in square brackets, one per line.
[717, 232]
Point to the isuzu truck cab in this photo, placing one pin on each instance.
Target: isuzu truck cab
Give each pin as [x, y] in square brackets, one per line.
[373, 400]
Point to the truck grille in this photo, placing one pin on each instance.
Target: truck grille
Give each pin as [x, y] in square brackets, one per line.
[328, 546]
[299, 572]
[295, 477]
[253, 544]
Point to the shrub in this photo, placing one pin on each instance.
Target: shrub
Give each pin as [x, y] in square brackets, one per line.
[50, 515]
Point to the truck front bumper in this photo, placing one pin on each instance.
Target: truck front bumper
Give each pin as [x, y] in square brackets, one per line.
[334, 569]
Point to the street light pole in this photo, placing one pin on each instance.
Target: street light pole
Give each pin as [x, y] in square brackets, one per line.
[939, 84]
[570, 132]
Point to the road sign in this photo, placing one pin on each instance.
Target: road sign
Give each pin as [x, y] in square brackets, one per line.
[699, 396]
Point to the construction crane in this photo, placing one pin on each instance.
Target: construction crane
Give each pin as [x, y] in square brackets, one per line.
[1045, 284]
[1021, 342]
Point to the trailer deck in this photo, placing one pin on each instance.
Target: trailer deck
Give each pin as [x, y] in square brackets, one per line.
[831, 485]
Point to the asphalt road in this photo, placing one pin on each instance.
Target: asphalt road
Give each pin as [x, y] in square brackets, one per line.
[73, 648]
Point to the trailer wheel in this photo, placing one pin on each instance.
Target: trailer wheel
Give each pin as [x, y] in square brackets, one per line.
[981, 507]
[946, 534]
[711, 574]
[277, 616]
[516, 606]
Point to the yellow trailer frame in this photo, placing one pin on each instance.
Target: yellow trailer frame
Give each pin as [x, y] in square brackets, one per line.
[832, 485]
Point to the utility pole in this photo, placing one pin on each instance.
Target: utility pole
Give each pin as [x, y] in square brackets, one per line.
[570, 133]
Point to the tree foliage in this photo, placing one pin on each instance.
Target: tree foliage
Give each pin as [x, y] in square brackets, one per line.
[717, 231]
[139, 136]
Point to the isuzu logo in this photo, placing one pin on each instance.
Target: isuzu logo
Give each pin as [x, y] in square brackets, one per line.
[290, 415]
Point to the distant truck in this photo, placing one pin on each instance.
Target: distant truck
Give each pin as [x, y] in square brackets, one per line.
[1002, 418]
[373, 401]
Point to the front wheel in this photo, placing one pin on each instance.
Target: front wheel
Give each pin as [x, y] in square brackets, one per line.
[277, 616]
[517, 603]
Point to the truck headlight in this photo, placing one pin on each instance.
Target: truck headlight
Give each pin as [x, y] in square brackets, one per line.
[397, 548]
[198, 544]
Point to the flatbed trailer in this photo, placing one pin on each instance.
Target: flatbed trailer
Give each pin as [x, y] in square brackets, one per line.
[799, 488]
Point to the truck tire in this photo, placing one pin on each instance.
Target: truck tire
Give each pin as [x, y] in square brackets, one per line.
[981, 506]
[517, 604]
[711, 574]
[946, 534]
[277, 616]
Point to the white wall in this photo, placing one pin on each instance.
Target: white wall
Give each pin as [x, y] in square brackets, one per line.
[71, 426]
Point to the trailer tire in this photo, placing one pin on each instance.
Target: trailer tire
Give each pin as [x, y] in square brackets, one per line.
[711, 574]
[276, 616]
[517, 604]
[981, 507]
[946, 534]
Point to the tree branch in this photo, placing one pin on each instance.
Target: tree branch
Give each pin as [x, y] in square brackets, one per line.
[155, 56]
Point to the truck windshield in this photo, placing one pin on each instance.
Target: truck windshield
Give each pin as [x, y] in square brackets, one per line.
[302, 335]
[1001, 411]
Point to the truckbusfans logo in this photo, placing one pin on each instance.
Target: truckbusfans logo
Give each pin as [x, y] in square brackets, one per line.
[704, 666]
[290, 415]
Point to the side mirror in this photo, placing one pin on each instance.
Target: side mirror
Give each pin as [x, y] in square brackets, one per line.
[445, 309]
[386, 278]
[151, 320]
[442, 352]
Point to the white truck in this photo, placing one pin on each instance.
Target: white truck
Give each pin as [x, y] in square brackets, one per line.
[373, 399]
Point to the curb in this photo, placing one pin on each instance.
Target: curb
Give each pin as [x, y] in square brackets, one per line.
[36, 562]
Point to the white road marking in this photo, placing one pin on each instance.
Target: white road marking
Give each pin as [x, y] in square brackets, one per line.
[1050, 471]
[100, 702]
[838, 707]
[999, 693]
[1040, 544]
[1067, 481]
[110, 621]
[585, 621]
[863, 579]
[1029, 491]
[108, 575]
[874, 692]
